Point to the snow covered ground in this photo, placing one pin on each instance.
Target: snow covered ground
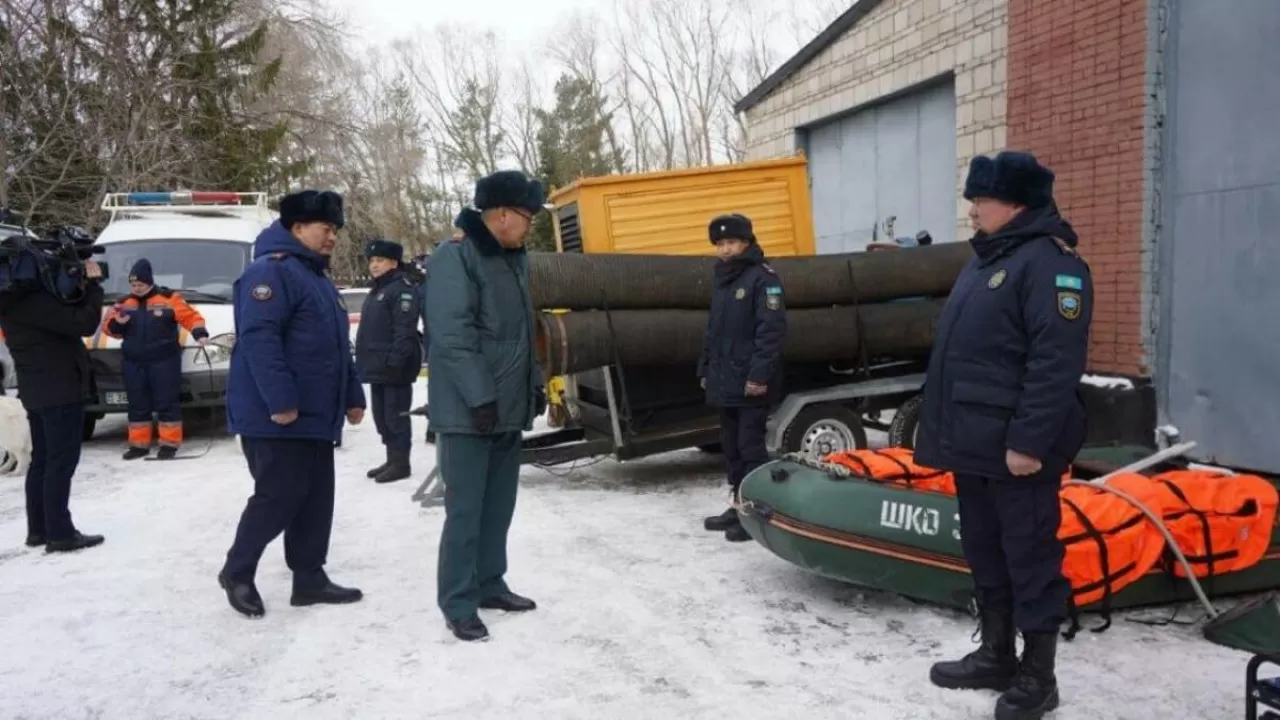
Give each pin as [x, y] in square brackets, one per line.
[642, 614]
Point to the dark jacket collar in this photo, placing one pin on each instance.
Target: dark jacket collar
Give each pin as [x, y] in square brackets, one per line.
[728, 271]
[470, 222]
[387, 279]
[276, 239]
[1026, 226]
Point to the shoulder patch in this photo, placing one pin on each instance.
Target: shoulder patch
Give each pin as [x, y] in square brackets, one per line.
[773, 290]
[406, 296]
[1069, 305]
[261, 291]
[1069, 282]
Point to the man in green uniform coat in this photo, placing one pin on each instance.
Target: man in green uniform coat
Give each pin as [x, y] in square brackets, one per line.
[485, 389]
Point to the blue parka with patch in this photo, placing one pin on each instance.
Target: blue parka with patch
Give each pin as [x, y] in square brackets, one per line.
[746, 330]
[1008, 354]
[292, 349]
[480, 319]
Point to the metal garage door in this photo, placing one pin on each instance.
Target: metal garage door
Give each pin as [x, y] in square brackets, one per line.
[895, 159]
[1218, 341]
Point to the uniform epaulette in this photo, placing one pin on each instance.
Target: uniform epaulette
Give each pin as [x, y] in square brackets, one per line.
[768, 269]
[1064, 247]
[278, 255]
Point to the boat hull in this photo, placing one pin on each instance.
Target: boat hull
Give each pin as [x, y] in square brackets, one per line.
[907, 542]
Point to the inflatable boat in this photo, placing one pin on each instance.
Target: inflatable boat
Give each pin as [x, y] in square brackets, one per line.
[875, 519]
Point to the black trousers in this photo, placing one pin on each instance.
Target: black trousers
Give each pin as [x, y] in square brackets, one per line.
[742, 439]
[293, 488]
[390, 405]
[1009, 533]
[56, 437]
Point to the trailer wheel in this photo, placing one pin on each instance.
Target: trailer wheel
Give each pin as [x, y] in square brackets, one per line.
[906, 423]
[823, 429]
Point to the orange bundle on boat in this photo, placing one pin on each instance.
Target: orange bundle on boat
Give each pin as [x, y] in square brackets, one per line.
[1109, 543]
[1221, 522]
[895, 466]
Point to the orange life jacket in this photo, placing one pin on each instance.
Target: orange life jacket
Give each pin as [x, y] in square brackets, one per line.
[1221, 522]
[895, 466]
[1109, 543]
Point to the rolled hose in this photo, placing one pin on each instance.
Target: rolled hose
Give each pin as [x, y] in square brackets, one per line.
[578, 341]
[572, 281]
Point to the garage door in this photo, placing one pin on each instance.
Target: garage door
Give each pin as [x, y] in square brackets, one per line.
[897, 160]
[1218, 336]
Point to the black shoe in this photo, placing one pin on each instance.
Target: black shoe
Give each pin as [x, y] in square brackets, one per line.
[721, 522]
[736, 533]
[134, 453]
[431, 437]
[375, 472]
[243, 597]
[327, 594]
[991, 667]
[510, 602]
[78, 541]
[168, 452]
[35, 540]
[468, 629]
[396, 469]
[1035, 688]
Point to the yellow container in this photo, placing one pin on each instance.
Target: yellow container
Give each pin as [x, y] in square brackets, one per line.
[667, 212]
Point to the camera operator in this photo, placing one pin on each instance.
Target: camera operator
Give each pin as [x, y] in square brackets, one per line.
[44, 334]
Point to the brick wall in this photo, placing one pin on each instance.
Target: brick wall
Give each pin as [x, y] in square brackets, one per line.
[899, 44]
[1076, 98]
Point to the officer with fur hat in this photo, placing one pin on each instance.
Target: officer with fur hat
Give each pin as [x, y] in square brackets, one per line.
[485, 389]
[292, 385]
[741, 363]
[389, 354]
[1002, 412]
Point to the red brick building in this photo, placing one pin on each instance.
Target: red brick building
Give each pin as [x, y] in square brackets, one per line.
[1158, 117]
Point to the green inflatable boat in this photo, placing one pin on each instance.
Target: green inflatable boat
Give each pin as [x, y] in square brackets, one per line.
[905, 541]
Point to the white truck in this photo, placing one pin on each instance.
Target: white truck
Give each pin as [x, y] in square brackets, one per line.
[198, 244]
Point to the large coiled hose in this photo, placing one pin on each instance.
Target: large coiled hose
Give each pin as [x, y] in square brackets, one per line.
[675, 282]
[577, 341]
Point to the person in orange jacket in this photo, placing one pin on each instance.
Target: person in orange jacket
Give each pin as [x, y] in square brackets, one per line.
[147, 323]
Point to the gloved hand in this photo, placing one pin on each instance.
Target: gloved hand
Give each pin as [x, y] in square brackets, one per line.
[539, 402]
[485, 417]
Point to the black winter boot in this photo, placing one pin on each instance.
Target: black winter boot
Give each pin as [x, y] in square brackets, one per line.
[992, 666]
[397, 469]
[1035, 689]
[721, 522]
[133, 453]
[375, 472]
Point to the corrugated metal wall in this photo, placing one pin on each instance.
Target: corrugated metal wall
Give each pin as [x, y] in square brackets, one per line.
[895, 159]
[1218, 334]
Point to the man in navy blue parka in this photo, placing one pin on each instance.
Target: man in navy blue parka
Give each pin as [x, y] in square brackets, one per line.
[292, 384]
[1002, 411]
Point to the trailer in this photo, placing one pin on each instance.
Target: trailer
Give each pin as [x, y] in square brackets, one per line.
[632, 413]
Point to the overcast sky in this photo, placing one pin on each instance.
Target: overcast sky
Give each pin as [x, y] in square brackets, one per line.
[520, 22]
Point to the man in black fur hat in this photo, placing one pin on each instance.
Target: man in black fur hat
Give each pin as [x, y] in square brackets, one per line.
[292, 385]
[741, 363]
[1002, 412]
[484, 390]
[389, 354]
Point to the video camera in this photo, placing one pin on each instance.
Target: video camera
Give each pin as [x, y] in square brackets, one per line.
[54, 263]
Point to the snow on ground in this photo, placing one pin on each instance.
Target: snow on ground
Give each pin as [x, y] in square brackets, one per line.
[642, 614]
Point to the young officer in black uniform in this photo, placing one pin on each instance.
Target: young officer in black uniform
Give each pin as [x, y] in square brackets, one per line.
[389, 354]
[1001, 411]
[741, 363]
